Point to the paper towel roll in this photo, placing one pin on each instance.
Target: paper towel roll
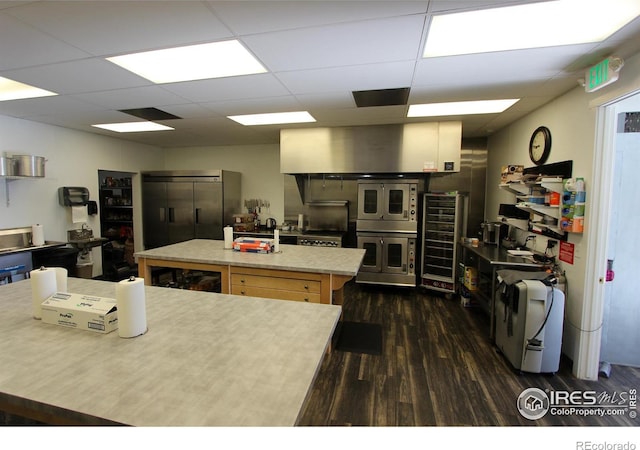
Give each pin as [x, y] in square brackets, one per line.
[79, 214]
[228, 237]
[61, 279]
[300, 221]
[43, 286]
[37, 235]
[276, 241]
[132, 311]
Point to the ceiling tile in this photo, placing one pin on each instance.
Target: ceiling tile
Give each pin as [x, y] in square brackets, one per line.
[112, 27]
[374, 41]
[243, 87]
[252, 17]
[349, 78]
[30, 47]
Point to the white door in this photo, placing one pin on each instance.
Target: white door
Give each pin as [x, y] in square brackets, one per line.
[620, 331]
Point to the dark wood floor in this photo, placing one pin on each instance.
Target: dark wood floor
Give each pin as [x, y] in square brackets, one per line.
[437, 367]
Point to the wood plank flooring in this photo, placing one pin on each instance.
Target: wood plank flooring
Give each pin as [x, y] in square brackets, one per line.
[438, 368]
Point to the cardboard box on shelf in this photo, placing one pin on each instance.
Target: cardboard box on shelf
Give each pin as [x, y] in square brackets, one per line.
[511, 173]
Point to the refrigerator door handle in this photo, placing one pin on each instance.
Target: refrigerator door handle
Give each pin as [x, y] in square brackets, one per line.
[171, 215]
[163, 215]
[197, 215]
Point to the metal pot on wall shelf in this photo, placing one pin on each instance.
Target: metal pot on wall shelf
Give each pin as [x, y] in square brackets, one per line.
[28, 165]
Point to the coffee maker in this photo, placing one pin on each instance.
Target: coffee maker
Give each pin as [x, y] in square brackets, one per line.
[494, 232]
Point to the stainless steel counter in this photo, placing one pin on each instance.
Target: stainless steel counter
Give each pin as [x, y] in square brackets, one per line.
[207, 360]
[496, 255]
[31, 248]
[488, 260]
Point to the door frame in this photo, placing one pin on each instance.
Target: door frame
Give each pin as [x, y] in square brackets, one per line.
[587, 363]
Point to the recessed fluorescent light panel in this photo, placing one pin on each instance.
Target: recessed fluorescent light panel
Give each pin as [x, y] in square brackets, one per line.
[132, 127]
[14, 90]
[193, 62]
[460, 108]
[533, 25]
[274, 118]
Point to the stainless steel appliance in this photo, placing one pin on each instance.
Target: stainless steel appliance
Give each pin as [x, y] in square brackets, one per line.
[493, 232]
[328, 223]
[387, 229]
[388, 205]
[183, 205]
[441, 229]
[389, 259]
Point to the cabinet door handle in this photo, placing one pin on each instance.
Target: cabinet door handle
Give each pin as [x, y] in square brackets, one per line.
[242, 280]
[242, 292]
[306, 286]
[306, 299]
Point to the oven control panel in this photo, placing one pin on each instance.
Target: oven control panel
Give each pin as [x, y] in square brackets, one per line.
[320, 241]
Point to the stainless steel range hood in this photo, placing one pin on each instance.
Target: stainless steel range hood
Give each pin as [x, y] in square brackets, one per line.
[399, 148]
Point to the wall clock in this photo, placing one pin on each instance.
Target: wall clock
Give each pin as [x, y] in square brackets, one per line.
[540, 145]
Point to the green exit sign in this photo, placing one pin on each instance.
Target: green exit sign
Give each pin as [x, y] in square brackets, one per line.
[602, 74]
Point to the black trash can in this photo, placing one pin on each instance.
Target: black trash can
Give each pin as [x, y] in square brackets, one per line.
[56, 257]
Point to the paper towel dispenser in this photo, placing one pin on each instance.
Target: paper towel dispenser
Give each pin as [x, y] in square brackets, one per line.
[73, 196]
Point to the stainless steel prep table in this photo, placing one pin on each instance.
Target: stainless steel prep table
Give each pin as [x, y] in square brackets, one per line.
[496, 258]
[206, 360]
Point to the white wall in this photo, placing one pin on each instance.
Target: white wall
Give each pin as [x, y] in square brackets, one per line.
[258, 164]
[73, 159]
[572, 126]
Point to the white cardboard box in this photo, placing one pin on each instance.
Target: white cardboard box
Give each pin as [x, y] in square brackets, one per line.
[85, 312]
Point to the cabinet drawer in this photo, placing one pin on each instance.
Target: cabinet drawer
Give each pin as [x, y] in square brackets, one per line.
[287, 284]
[253, 291]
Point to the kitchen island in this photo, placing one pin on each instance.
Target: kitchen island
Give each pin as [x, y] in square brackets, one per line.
[302, 273]
[206, 360]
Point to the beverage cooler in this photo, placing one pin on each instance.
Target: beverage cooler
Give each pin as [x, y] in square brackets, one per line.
[441, 230]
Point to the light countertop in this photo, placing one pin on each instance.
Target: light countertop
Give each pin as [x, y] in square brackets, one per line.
[298, 258]
[206, 360]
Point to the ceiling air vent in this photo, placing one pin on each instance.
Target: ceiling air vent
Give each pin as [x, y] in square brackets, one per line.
[381, 97]
[151, 114]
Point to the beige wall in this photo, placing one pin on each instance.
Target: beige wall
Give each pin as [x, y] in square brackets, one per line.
[572, 121]
[73, 159]
[258, 164]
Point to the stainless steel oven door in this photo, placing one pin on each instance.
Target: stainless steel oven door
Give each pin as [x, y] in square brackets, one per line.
[387, 206]
[389, 259]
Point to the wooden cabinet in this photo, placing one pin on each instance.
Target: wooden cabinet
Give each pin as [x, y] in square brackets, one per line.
[279, 284]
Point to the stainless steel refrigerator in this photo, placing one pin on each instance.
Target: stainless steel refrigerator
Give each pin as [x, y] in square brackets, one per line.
[182, 205]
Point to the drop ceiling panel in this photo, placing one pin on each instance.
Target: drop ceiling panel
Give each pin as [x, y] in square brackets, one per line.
[375, 41]
[317, 53]
[243, 87]
[255, 106]
[349, 78]
[22, 46]
[110, 27]
[498, 67]
[139, 97]
[251, 17]
[74, 77]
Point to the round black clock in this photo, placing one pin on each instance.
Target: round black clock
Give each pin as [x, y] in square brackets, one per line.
[540, 145]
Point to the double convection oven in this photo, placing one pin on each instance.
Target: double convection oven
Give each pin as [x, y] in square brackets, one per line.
[387, 229]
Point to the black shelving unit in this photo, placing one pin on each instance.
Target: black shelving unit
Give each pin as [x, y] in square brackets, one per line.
[116, 225]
